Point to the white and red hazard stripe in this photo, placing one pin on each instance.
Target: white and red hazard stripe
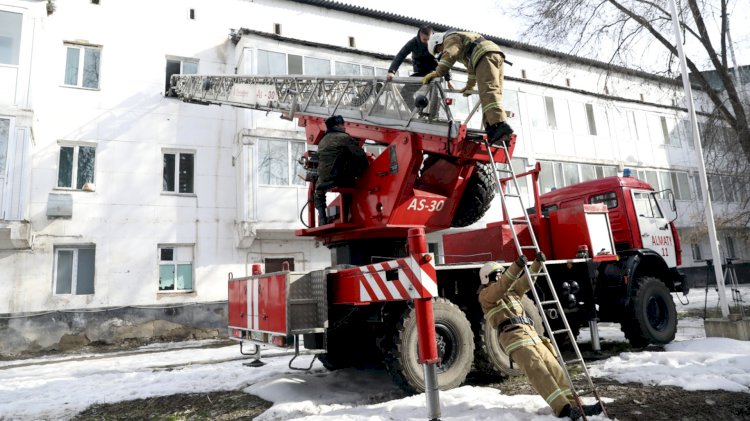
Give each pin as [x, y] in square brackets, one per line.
[414, 281]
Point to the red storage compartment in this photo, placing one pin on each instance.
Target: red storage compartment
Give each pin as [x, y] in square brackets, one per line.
[237, 296]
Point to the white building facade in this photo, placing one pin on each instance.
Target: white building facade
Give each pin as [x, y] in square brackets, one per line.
[121, 205]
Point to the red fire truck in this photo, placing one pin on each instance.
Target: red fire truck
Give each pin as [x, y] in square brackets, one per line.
[612, 251]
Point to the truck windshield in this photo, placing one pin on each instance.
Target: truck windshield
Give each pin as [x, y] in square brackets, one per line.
[645, 205]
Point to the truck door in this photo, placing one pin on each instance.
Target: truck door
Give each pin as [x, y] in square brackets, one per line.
[654, 227]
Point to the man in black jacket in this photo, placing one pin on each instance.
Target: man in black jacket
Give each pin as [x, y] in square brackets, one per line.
[341, 160]
[423, 62]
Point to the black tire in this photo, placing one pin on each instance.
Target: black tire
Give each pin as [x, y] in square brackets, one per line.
[476, 199]
[455, 348]
[651, 315]
[489, 356]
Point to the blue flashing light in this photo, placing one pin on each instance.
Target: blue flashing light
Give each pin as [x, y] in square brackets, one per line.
[627, 172]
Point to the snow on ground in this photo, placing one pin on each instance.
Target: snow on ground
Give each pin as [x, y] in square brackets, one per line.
[58, 387]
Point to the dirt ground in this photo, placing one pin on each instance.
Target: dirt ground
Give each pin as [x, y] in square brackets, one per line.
[631, 401]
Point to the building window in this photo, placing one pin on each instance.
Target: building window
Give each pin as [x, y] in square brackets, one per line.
[715, 189]
[4, 140]
[10, 37]
[278, 163]
[681, 186]
[276, 264]
[730, 247]
[178, 172]
[579, 118]
[696, 249]
[177, 66]
[697, 184]
[591, 119]
[609, 199]
[368, 71]
[82, 66]
[74, 270]
[549, 105]
[76, 166]
[271, 63]
[317, 66]
[175, 268]
[649, 176]
[346, 69]
[294, 64]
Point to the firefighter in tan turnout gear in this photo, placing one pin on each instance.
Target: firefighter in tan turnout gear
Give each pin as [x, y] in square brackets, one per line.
[484, 63]
[500, 297]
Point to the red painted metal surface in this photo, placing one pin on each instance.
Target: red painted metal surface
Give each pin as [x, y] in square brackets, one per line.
[394, 280]
[237, 303]
[401, 189]
[570, 230]
[426, 340]
[272, 305]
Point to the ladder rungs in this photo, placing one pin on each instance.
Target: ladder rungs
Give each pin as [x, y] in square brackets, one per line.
[512, 195]
[544, 303]
[528, 247]
[538, 274]
[519, 221]
[555, 332]
[584, 392]
[574, 361]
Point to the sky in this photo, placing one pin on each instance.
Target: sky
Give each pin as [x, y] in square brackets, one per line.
[59, 386]
[494, 17]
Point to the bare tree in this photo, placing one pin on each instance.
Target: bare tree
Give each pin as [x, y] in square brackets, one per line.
[635, 27]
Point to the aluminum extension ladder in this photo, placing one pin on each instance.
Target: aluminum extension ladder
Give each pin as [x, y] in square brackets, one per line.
[588, 388]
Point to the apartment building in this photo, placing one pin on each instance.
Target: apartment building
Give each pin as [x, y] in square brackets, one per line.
[123, 210]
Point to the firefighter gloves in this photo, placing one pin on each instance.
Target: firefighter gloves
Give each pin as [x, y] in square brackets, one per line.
[468, 88]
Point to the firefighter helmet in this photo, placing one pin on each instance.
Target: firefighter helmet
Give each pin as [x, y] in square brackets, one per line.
[489, 269]
[435, 40]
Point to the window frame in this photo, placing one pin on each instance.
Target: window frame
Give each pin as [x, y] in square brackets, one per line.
[175, 262]
[182, 60]
[292, 164]
[74, 165]
[74, 269]
[15, 41]
[82, 64]
[178, 152]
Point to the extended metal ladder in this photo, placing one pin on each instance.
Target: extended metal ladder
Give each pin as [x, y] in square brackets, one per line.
[588, 388]
[371, 100]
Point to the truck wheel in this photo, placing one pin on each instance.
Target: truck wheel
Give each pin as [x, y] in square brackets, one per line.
[477, 197]
[454, 342]
[489, 356]
[651, 317]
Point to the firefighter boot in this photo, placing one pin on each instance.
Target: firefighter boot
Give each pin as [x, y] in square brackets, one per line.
[574, 413]
[499, 133]
[322, 217]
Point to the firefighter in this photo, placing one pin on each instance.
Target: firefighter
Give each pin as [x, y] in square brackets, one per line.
[341, 160]
[500, 298]
[423, 62]
[484, 63]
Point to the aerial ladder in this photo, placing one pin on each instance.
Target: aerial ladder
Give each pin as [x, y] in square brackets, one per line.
[414, 186]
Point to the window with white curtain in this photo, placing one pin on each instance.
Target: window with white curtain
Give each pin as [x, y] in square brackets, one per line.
[271, 63]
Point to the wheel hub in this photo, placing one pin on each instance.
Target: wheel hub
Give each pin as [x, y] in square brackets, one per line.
[446, 346]
[656, 312]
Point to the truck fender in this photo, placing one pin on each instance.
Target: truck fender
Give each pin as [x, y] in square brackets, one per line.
[644, 262]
